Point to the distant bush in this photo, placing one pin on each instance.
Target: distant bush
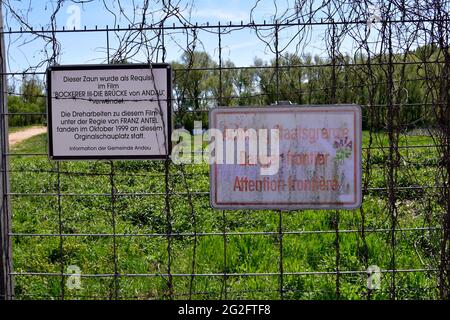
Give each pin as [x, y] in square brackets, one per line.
[28, 107]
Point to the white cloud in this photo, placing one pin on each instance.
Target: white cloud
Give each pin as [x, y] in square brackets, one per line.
[243, 45]
[220, 14]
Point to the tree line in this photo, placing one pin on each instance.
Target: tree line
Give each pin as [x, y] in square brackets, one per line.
[27, 106]
[199, 83]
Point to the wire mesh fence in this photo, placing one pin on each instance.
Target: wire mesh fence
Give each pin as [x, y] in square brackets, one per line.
[145, 229]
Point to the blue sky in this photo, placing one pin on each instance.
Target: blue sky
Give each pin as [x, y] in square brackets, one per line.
[90, 47]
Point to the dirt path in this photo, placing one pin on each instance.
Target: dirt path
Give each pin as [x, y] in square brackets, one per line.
[19, 136]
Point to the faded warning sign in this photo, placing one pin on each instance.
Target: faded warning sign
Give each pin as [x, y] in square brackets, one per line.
[287, 158]
[109, 111]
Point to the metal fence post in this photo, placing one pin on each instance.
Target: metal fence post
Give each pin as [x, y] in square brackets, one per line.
[6, 290]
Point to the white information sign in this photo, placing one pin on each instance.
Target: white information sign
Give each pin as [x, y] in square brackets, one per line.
[109, 111]
[313, 157]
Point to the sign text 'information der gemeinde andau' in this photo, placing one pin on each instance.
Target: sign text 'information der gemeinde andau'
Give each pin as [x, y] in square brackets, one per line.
[109, 111]
[286, 157]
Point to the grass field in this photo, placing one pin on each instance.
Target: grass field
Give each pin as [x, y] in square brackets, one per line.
[86, 208]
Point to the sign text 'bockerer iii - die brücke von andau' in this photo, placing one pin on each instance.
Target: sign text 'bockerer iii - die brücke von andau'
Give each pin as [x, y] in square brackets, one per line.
[109, 111]
[304, 157]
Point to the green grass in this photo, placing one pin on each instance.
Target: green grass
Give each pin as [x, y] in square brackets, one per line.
[86, 208]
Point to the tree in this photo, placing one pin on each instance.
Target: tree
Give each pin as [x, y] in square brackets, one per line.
[192, 87]
[31, 90]
[30, 103]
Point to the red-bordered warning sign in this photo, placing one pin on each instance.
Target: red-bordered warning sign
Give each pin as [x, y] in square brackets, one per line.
[305, 157]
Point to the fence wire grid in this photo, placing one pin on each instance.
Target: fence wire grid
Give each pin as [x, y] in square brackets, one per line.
[145, 229]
